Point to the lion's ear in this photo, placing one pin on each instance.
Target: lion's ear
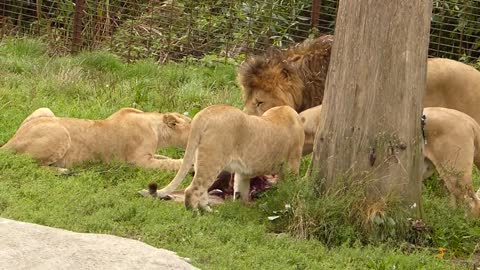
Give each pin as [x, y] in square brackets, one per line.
[286, 70]
[170, 120]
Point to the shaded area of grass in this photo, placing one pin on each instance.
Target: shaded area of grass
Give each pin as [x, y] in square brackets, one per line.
[102, 198]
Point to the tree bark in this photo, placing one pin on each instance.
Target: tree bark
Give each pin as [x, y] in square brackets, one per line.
[370, 124]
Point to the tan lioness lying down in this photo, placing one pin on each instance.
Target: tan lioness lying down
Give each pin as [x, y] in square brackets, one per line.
[129, 135]
[225, 138]
[453, 146]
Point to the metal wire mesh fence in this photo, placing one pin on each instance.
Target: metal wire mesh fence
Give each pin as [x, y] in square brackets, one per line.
[176, 29]
[455, 28]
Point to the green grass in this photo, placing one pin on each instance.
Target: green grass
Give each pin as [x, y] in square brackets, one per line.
[102, 198]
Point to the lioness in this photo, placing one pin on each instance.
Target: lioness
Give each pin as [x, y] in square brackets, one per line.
[128, 135]
[225, 138]
[452, 147]
[296, 77]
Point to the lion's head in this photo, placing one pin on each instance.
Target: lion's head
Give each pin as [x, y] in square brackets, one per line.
[178, 128]
[268, 82]
[295, 77]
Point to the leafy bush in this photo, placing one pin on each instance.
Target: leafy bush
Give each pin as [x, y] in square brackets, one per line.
[179, 28]
[455, 29]
[173, 29]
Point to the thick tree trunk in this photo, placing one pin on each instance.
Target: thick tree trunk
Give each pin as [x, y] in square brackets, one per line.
[370, 124]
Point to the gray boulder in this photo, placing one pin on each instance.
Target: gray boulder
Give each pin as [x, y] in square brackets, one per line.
[30, 246]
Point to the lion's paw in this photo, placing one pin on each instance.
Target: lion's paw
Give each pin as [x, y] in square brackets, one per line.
[144, 193]
[206, 209]
[65, 172]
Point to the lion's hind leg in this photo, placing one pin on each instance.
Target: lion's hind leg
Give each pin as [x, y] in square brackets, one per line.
[454, 179]
[207, 167]
[456, 172]
[47, 143]
[474, 204]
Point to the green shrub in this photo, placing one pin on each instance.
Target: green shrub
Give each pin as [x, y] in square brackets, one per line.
[178, 29]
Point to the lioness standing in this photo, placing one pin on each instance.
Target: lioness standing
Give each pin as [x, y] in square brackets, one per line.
[225, 138]
[453, 146]
[128, 135]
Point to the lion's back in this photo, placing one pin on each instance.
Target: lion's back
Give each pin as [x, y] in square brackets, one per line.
[125, 113]
[272, 138]
[445, 120]
[218, 116]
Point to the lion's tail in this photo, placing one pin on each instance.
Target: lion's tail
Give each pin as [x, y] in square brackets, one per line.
[188, 160]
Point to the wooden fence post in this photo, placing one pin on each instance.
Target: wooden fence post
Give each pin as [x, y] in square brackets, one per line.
[316, 5]
[78, 25]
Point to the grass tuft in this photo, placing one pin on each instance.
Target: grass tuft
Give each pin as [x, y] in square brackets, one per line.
[100, 61]
[22, 47]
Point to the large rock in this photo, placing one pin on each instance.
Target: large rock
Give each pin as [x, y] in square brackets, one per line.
[30, 246]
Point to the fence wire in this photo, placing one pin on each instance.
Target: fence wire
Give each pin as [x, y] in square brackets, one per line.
[179, 29]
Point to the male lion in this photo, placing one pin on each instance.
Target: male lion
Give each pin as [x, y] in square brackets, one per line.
[452, 147]
[128, 135]
[296, 77]
[225, 138]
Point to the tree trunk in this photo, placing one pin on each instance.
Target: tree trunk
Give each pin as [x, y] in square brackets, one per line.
[370, 124]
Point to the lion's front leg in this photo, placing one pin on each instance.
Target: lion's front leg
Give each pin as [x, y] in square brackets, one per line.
[150, 162]
[60, 171]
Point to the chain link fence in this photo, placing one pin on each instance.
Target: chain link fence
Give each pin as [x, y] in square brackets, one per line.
[179, 29]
